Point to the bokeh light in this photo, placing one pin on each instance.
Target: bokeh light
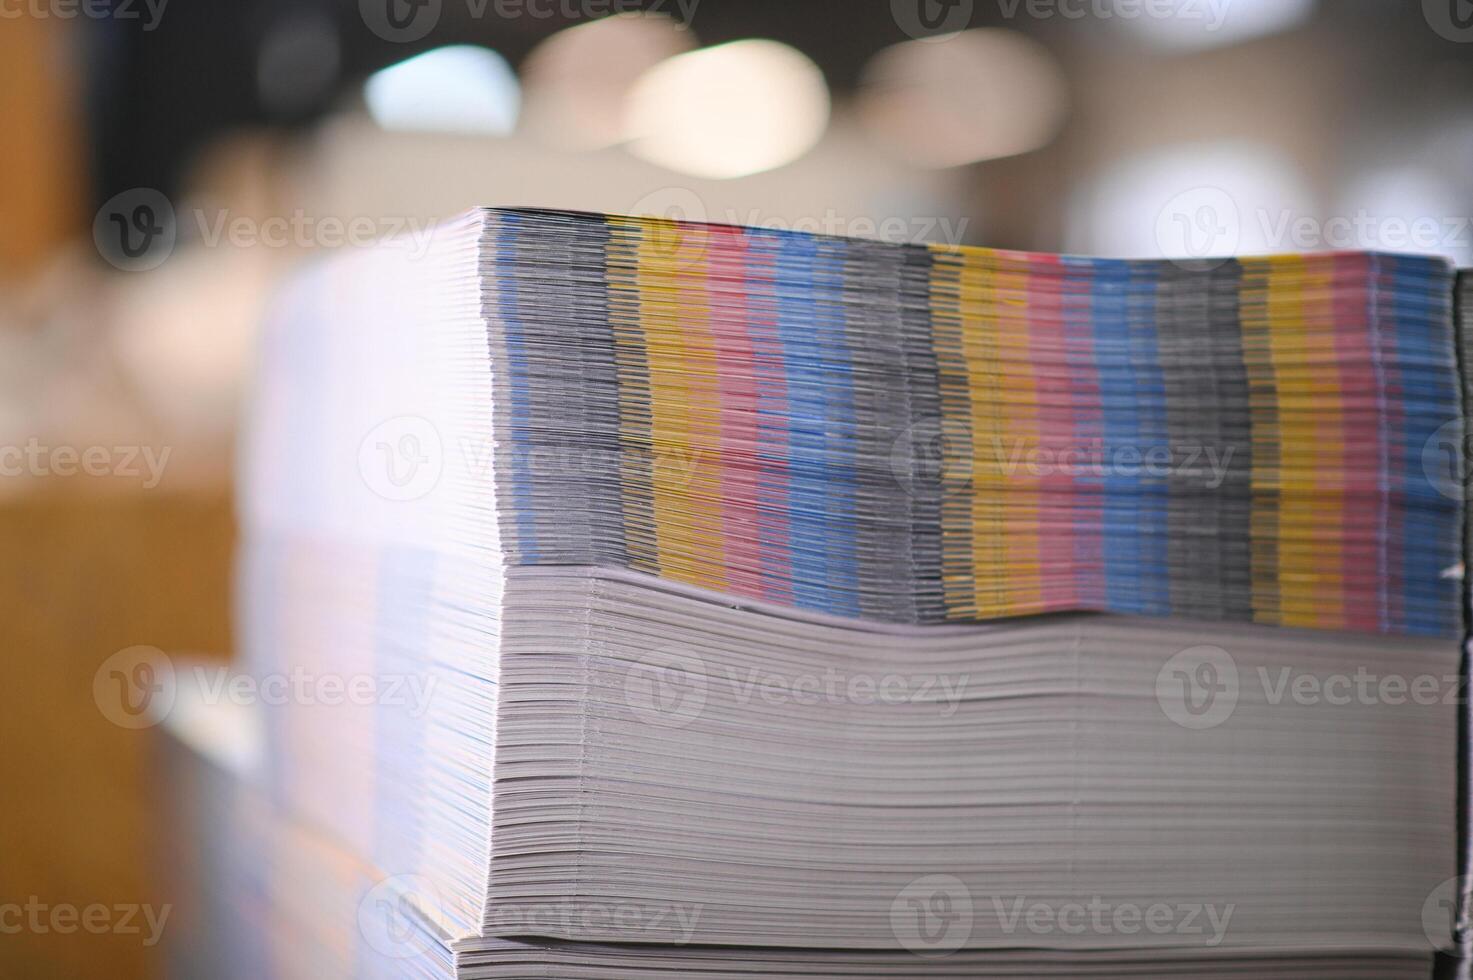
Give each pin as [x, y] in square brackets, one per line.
[729, 110]
[575, 83]
[975, 96]
[457, 89]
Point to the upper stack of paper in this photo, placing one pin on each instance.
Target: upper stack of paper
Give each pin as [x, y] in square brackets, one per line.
[914, 434]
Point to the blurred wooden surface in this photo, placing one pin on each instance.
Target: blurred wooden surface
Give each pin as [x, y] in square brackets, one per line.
[83, 575]
[43, 188]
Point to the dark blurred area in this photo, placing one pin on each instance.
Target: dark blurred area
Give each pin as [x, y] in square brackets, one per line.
[164, 164]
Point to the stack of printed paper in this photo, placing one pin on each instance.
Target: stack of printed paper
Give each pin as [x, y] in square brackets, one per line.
[821, 607]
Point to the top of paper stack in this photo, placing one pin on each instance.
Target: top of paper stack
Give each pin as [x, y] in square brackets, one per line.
[923, 435]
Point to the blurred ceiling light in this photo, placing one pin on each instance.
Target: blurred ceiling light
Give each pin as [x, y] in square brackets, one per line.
[456, 89]
[975, 96]
[576, 82]
[729, 110]
[1197, 24]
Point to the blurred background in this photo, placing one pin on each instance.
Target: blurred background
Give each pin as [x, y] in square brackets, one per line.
[164, 163]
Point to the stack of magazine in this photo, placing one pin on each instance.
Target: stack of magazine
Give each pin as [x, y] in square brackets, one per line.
[670, 599]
